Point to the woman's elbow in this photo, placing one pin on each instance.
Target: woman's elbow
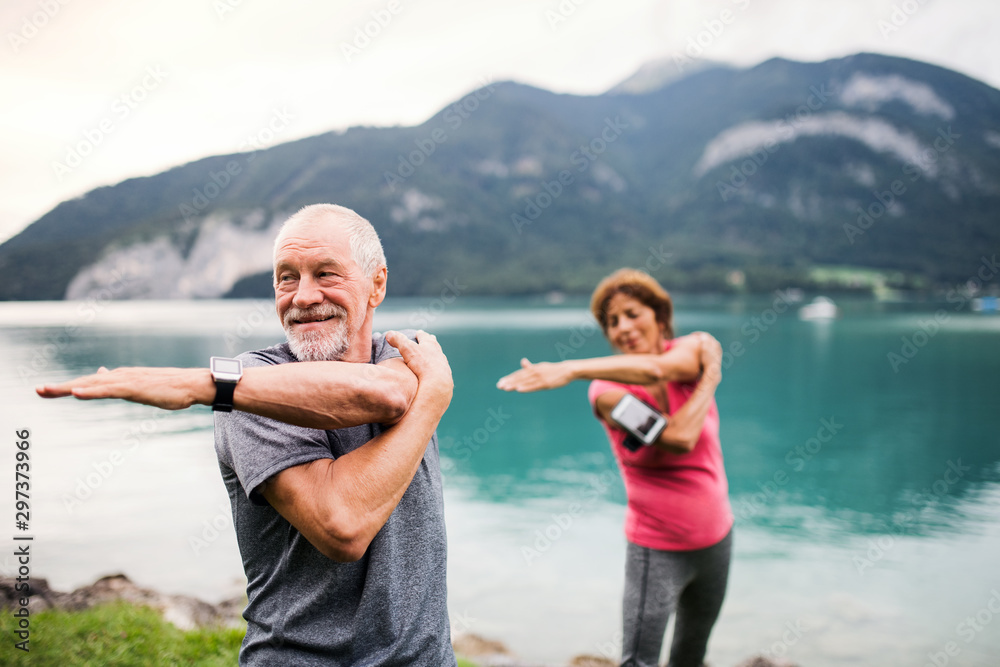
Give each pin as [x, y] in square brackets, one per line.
[679, 442]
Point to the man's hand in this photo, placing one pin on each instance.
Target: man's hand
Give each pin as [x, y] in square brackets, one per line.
[536, 377]
[166, 388]
[428, 362]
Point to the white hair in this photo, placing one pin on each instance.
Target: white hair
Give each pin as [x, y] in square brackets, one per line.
[366, 248]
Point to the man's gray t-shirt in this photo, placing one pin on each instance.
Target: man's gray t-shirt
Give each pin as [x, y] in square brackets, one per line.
[389, 608]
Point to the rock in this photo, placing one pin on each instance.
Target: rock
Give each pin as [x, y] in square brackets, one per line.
[185, 612]
[591, 661]
[763, 661]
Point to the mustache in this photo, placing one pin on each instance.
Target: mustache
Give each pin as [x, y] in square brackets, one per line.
[322, 311]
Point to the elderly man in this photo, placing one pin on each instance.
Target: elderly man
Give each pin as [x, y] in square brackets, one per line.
[331, 462]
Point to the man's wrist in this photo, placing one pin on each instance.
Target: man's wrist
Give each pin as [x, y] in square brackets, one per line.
[202, 386]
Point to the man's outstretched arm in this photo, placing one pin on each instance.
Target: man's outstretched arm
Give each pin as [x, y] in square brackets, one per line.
[340, 504]
[314, 394]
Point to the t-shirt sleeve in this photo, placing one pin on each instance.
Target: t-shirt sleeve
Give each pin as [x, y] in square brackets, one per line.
[257, 447]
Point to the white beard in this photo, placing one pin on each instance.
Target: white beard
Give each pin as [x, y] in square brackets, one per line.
[327, 344]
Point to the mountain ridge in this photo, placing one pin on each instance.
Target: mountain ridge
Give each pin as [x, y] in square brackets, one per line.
[767, 171]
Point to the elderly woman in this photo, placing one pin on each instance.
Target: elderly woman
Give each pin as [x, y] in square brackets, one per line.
[678, 522]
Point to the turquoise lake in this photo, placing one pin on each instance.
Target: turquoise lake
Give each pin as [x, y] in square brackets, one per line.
[863, 457]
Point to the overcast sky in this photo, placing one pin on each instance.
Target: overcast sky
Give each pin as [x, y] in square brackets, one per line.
[144, 86]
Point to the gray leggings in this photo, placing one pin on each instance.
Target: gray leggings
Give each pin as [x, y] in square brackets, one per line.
[658, 582]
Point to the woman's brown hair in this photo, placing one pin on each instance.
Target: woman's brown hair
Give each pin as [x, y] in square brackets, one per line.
[640, 286]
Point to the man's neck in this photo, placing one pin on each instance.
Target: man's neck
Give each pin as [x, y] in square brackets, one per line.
[360, 350]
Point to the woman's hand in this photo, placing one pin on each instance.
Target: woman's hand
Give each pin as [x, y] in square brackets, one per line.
[710, 352]
[536, 377]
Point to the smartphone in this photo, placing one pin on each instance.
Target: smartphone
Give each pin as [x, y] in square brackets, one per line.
[640, 420]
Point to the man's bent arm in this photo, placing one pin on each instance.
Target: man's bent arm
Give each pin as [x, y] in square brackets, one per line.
[316, 394]
[340, 504]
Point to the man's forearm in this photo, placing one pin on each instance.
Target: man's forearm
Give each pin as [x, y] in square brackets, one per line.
[320, 394]
[327, 394]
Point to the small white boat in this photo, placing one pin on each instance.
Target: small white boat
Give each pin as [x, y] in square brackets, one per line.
[821, 308]
[985, 304]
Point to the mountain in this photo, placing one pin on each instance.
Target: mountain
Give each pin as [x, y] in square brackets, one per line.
[723, 178]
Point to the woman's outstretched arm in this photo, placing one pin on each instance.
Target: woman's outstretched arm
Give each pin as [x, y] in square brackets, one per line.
[681, 363]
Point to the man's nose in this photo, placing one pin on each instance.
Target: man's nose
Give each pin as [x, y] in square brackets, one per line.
[308, 293]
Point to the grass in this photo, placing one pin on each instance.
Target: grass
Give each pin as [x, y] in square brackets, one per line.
[120, 634]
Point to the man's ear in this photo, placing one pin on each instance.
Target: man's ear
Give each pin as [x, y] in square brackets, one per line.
[378, 287]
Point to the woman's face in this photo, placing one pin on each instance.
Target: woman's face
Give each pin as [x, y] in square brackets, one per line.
[632, 326]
